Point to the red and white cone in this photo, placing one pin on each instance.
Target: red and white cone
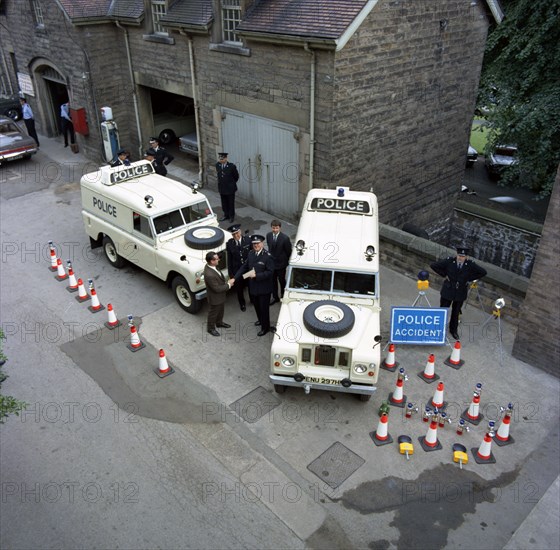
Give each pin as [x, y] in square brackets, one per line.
[437, 401]
[53, 266]
[389, 362]
[381, 436]
[502, 436]
[454, 360]
[431, 442]
[96, 305]
[82, 296]
[397, 397]
[112, 322]
[483, 455]
[135, 342]
[472, 414]
[60, 271]
[429, 374]
[164, 368]
[72, 283]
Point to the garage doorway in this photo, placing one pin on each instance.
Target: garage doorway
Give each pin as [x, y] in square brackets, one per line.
[172, 116]
[56, 93]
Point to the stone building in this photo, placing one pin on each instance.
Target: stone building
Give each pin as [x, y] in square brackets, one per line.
[374, 94]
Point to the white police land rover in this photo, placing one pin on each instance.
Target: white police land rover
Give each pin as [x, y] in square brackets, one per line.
[154, 222]
[328, 330]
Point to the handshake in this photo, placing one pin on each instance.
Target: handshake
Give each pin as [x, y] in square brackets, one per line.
[231, 282]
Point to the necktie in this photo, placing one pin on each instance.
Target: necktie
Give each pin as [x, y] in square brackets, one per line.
[274, 238]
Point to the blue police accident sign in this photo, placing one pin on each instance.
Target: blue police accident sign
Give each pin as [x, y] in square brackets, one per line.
[415, 325]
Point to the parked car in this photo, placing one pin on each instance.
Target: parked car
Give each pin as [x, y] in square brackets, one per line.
[502, 157]
[189, 144]
[178, 120]
[14, 144]
[10, 106]
[472, 156]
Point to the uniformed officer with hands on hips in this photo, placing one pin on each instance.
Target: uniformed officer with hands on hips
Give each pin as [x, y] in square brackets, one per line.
[227, 186]
[458, 273]
[238, 248]
[258, 270]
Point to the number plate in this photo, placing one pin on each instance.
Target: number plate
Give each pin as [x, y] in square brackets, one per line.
[321, 380]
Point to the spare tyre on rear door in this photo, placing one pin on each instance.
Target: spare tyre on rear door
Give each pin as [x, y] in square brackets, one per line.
[206, 237]
[328, 319]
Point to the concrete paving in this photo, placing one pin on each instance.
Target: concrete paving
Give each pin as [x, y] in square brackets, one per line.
[260, 448]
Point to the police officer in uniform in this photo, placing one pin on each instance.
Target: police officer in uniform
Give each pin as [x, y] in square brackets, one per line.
[458, 273]
[238, 248]
[163, 157]
[121, 159]
[227, 186]
[260, 268]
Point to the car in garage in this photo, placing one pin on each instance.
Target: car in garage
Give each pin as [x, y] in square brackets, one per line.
[10, 106]
[14, 144]
[177, 120]
[501, 158]
[189, 144]
[472, 156]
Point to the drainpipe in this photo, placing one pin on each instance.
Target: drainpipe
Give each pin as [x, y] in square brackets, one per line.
[311, 116]
[196, 104]
[134, 94]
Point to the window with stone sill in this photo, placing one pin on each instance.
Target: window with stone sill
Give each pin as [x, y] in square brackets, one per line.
[158, 10]
[231, 17]
[37, 14]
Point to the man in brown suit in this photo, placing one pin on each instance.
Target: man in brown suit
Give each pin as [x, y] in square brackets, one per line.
[216, 289]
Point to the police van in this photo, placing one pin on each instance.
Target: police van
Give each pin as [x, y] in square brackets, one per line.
[159, 224]
[328, 330]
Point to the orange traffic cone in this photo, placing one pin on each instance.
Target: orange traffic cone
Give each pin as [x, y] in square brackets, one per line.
[437, 401]
[428, 374]
[164, 369]
[397, 397]
[82, 296]
[389, 362]
[135, 342]
[502, 436]
[112, 322]
[430, 442]
[72, 283]
[53, 266]
[472, 414]
[96, 305]
[483, 455]
[60, 271]
[454, 360]
[381, 436]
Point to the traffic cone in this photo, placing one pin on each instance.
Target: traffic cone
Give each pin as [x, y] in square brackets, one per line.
[454, 360]
[397, 397]
[483, 455]
[389, 362]
[437, 401]
[428, 374]
[60, 271]
[135, 343]
[502, 436]
[96, 305]
[430, 442]
[472, 414]
[53, 266]
[112, 322]
[381, 436]
[82, 296]
[164, 369]
[72, 283]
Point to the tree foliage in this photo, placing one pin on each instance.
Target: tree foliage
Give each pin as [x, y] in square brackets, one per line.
[520, 86]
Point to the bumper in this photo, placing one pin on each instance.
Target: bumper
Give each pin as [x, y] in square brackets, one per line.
[200, 295]
[360, 389]
[16, 155]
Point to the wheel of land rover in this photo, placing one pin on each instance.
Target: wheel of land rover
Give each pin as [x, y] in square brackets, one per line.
[111, 252]
[184, 295]
[204, 238]
[328, 319]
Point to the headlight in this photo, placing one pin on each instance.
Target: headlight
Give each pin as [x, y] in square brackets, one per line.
[360, 368]
[288, 362]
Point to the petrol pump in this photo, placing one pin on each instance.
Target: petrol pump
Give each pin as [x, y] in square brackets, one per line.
[109, 134]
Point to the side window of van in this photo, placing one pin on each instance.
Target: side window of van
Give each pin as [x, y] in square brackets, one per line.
[142, 225]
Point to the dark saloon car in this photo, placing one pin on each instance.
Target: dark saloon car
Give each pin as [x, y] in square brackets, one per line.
[14, 144]
[10, 106]
[501, 158]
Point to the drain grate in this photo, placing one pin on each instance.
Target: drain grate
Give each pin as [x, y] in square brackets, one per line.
[256, 404]
[336, 465]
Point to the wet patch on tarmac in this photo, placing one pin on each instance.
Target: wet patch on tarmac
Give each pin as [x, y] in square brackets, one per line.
[130, 380]
[433, 504]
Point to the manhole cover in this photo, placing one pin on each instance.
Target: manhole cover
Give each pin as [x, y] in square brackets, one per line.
[256, 404]
[336, 465]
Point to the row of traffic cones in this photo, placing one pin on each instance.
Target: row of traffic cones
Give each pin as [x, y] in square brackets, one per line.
[77, 285]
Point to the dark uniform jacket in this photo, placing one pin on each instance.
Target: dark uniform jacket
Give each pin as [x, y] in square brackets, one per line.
[237, 255]
[456, 284]
[264, 269]
[161, 160]
[227, 178]
[281, 250]
[216, 287]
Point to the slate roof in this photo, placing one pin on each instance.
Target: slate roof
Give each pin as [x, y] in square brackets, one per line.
[127, 9]
[189, 13]
[326, 19]
[87, 10]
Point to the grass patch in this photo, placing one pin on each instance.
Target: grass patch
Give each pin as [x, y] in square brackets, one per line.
[479, 135]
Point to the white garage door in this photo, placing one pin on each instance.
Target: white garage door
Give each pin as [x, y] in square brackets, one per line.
[266, 154]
